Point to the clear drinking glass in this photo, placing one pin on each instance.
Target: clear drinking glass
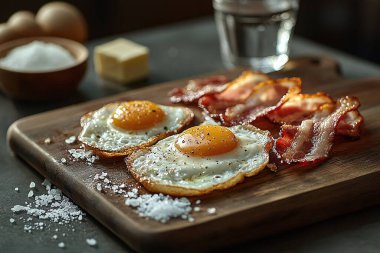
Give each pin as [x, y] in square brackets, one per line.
[255, 33]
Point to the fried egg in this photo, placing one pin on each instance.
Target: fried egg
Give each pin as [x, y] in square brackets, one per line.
[117, 129]
[201, 159]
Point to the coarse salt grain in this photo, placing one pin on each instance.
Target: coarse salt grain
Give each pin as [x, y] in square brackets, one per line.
[211, 210]
[30, 194]
[32, 185]
[38, 56]
[61, 244]
[47, 184]
[16, 189]
[55, 237]
[63, 160]
[11, 220]
[197, 209]
[47, 141]
[71, 140]
[91, 242]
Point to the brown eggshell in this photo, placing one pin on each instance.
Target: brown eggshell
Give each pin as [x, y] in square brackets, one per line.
[61, 19]
[7, 33]
[24, 24]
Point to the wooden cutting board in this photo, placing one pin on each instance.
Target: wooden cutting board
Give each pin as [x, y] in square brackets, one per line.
[262, 205]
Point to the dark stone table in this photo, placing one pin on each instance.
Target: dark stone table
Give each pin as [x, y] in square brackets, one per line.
[176, 51]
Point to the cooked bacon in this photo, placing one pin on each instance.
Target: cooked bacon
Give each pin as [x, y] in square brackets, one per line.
[350, 124]
[312, 140]
[303, 106]
[198, 88]
[241, 88]
[299, 107]
[236, 92]
[264, 98]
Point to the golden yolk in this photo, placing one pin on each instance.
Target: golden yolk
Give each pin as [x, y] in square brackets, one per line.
[137, 115]
[206, 140]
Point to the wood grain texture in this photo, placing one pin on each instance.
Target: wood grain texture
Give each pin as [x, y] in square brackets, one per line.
[262, 205]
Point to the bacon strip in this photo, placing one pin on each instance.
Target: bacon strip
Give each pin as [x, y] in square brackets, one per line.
[241, 88]
[312, 140]
[350, 124]
[299, 107]
[263, 98]
[303, 106]
[198, 88]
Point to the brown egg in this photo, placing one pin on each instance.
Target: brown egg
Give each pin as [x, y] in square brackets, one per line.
[7, 33]
[62, 20]
[24, 24]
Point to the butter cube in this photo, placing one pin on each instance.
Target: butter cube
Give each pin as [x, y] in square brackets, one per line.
[122, 60]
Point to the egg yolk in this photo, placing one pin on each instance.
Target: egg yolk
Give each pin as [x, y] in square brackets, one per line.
[137, 115]
[206, 140]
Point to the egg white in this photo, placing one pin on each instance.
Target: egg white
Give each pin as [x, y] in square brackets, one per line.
[165, 165]
[99, 132]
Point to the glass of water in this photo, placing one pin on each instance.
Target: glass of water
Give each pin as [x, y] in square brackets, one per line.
[255, 33]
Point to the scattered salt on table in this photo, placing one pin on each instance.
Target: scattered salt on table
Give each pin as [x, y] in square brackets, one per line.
[38, 56]
[61, 244]
[30, 194]
[91, 241]
[11, 220]
[32, 185]
[71, 140]
[16, 189]
[53, 206]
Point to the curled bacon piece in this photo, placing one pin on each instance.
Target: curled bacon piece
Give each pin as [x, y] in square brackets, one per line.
[299, 107]
[312, 140]
[350, 124]
[303, 106]
[262, 98]
[197, 88]
[241, 88]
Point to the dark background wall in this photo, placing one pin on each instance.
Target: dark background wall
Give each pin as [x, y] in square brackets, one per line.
[350, 25]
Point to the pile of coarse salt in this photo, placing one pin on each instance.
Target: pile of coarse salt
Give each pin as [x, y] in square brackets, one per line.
[159, 207]
[38, 56]
[53, 206]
